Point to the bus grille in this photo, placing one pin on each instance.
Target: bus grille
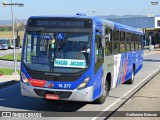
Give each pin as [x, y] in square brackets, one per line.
[61, 94]
[53, 78]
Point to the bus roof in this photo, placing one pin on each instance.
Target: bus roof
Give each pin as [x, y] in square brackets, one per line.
[100, 21]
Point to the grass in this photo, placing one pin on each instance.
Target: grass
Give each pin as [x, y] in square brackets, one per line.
[10, 57]
[7, 71]
[8, 34]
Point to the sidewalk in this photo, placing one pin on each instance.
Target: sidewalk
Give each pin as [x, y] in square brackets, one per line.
[144, 104]
[8, 78]
[148, 52]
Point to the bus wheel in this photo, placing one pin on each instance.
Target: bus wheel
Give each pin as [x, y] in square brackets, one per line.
[105, 93]
[130, 81]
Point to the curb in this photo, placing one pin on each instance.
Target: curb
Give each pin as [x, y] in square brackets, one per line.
[130, 95]
[9, 60]
[136, 90]
[8, 80]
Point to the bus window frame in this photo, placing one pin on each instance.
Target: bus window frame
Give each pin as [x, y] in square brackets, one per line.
[108, 43]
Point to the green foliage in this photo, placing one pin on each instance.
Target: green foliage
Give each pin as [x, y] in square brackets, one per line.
[7, 71]
[6, 28]
[10, 57]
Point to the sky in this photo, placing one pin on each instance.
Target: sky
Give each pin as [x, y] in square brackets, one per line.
[71, 7]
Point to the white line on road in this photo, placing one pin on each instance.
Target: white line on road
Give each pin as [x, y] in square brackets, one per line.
[125, 95]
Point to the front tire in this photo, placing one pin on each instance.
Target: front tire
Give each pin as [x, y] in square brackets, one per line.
[105, 93]
[131, 80]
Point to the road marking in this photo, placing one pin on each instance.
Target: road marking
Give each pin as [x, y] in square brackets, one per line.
[125, 94]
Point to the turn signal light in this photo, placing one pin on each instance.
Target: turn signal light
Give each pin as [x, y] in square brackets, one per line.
[37, 83]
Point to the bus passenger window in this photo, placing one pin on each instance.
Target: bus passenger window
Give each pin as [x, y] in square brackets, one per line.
[132, 42]
[140, 42]
[136, 42]
[115, 42]
[108, 42]
[128, 41]
[122, 42]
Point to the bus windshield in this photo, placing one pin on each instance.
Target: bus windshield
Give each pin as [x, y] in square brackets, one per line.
[57, 52]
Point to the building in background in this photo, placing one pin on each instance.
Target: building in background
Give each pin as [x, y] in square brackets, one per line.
[149, 24]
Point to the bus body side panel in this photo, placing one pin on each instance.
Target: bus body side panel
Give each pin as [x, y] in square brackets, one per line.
[139, 61]
[108, 67]
[131, 60]
[117, 67]
[140, 56]
[121, 68]
[98, 77]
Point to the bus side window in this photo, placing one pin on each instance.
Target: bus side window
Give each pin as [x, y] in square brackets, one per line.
[99, 51]
[122, 42]
[140, 42]
[128, 41]
[108, 42]
[132, 41]
[136, 42]
[116, 44]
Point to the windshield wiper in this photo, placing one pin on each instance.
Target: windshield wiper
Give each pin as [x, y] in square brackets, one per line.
[59, 47]
[64, 41]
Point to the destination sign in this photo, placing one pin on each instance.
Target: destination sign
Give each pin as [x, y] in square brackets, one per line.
[60, 23]
[70, 63]
[43, 36]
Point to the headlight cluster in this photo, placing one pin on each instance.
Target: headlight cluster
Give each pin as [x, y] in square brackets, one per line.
[84, 83]
[25, 79]
[33, 82]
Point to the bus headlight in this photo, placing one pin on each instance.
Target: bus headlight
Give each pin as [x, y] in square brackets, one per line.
[25, 79]
[84, 83]
[33, 82]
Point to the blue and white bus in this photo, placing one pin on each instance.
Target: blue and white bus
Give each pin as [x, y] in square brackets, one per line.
[4, 43]
[78, 58]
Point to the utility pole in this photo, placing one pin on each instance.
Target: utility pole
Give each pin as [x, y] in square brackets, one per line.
[14, 49]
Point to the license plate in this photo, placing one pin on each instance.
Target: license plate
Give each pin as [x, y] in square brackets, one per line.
[52, 97]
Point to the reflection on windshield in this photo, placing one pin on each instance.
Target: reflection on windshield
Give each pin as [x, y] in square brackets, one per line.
[57, 52]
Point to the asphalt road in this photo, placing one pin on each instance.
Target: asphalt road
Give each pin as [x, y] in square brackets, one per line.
[11, 99]
[8, 64]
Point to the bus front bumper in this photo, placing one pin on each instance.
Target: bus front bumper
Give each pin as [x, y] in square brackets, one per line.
[85, 94]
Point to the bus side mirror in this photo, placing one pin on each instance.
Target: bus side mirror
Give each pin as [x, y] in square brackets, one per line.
[17, 42]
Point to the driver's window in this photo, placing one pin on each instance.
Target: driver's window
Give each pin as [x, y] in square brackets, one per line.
[99, 53]
[98, 49]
